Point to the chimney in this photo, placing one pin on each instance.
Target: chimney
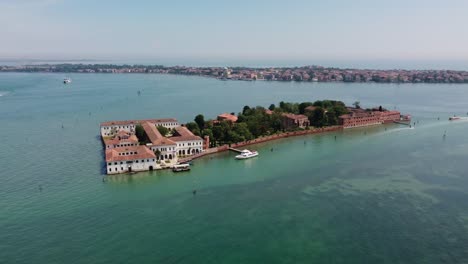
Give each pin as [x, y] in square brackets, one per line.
[206, 144]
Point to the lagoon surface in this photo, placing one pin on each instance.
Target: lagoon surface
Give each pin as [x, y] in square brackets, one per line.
[386, 194]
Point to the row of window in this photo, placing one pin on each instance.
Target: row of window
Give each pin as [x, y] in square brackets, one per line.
[167, 124]
[115, 127]
[127, 153]
[190, 144]
[166, 149]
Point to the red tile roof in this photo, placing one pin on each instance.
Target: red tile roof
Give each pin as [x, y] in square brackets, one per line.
[184, 134]
[295, 117]
[134, 153]
[227, 116]
[154, 136]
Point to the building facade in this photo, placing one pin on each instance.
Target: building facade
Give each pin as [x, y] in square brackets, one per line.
[187, 143]
[124, 154]
[291, 121]
[112, 127]
[360, 118]
[129, 159]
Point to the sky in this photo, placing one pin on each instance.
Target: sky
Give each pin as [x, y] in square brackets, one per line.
[310, 29]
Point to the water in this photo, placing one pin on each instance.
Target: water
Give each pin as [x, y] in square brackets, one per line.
[387, 194]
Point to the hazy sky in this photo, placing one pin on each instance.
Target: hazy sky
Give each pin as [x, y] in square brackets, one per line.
[332, 29]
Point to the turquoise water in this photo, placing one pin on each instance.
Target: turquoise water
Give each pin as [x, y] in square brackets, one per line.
[385, 194]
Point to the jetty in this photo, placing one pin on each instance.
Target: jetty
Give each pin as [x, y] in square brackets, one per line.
[406, 123]
[235, 150]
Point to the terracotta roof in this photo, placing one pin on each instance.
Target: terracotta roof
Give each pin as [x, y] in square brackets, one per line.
[134, 122]
[154, 136]
[295, 117]
[116, 140]
[184, 134]
[134, 153]
[310, 108]
[227, 116]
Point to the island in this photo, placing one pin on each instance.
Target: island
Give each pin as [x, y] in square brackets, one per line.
[152, 144]
[298, 74]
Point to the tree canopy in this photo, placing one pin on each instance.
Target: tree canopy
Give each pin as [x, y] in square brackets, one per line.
[254, 122]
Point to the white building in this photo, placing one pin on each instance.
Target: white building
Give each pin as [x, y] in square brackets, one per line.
[112, 127]
[164, 148]
[124, 154]
[121, 139]
[129, 159]
[187, 142]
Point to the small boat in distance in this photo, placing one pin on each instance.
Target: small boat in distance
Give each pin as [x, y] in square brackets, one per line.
[181, 167]
[453, 118]
[67, 80]
[247, 154]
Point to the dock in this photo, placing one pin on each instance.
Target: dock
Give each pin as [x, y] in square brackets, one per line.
[406, 123]
[235, 150]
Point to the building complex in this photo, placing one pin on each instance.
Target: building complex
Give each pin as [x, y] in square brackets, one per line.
[125, 152]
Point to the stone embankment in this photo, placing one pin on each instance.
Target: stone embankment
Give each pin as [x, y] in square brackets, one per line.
[261, 140]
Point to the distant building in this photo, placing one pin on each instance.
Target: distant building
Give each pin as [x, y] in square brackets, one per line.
[227, 117]
[290, 121]
[360, 118]
[310, 109]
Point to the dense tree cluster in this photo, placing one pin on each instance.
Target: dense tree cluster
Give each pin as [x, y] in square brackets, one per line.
[254, 122]
[141, 135]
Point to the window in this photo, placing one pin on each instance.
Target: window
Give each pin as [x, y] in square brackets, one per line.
[110, 169]
[142, 161]
[110, 163]
[121, 162]
[115, 163]
[136, 161]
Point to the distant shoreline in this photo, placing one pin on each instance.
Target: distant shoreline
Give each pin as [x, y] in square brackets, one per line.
[282, 74]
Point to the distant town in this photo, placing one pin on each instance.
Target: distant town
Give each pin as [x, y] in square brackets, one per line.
[298, 74]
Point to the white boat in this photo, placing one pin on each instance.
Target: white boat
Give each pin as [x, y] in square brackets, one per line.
[67, 80]
[181, 167]
[453, 118]
[247, 154]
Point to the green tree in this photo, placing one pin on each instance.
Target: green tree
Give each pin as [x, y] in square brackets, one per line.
[209, 132]
[243, 131]
[157, 153]
[192, 126]
[318, 117]
[303, 106]
[357, 105]
[141, 135]
[332, 119]
[200, 120]
[272, 107]
[246, 110]
[163, 130]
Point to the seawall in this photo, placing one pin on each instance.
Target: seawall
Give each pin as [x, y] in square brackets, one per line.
[261, 140]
